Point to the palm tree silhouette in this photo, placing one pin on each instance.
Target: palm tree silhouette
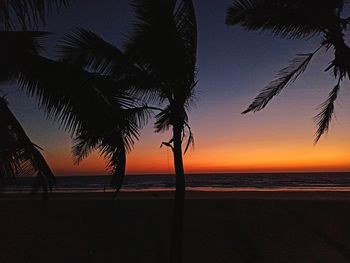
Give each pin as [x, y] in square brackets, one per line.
[157, 65]
[298, 19]
[18, 155]
[103, 95]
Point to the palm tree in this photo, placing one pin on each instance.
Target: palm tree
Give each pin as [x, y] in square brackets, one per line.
[157, 64]
[102, 94]
[298, 19]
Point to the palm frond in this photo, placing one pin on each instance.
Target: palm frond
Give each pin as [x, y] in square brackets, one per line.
[27, 13]
[112, 148]
[190, 139]
[110, 145]
[44, 173]
[154, 39]
[285, 18]
[59, 89]
[285, 77]
[96, 133]
[18, 155]
[341, 61]
[138, 115]
[143, 87]
[107, 119]
[118, 162]
[163, 119]
[14, 46]
[163, 41]
[186, 23]
[324, 118]
[84, 144]
[112, 135]
[85, 49]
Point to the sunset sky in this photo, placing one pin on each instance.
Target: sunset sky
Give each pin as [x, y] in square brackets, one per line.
[233, 65]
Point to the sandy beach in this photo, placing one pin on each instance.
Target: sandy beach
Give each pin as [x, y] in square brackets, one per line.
[219, 227]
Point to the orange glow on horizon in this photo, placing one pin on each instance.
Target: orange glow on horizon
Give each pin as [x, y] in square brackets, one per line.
[159, 161]
[255, 143]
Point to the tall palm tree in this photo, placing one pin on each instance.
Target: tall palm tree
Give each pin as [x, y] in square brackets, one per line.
[298, 19]
[156, 64]
[102, 94]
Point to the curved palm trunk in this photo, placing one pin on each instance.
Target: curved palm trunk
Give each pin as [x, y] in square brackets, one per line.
[178, 212]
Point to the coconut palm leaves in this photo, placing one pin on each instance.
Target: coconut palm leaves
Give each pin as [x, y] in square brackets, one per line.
[285, 77]
[157, 67]
[79, 99]
[15, 46]
[164, 43]
[324, 118]
[18, 154]
[93, 108]
[157, 62]
[87, 50]
[287, 18]
[165, 34]
[99, 92]
[297, 19]
[27, 13]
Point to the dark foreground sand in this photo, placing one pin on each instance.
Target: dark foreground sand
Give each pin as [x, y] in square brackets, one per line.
[219, 227]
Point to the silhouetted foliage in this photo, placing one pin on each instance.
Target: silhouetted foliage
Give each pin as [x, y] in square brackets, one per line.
[285, 77]
[103, 95]
[156, 65]
[93, 108]
[298, 19]
[26, 14]
[18, 154]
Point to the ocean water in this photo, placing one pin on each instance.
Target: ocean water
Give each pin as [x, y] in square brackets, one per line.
[338, 181]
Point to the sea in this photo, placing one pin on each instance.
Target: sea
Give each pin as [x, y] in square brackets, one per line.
[328, 181]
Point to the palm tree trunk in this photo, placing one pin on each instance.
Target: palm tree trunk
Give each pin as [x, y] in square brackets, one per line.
[178, 212]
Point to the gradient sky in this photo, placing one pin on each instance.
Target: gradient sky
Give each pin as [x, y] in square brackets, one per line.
[233, 66]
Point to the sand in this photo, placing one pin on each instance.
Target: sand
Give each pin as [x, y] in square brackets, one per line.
[219, 227]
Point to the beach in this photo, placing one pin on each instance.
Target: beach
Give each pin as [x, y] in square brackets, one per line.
[219, 227]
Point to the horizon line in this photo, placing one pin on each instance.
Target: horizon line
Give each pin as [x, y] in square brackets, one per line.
[205, 173]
